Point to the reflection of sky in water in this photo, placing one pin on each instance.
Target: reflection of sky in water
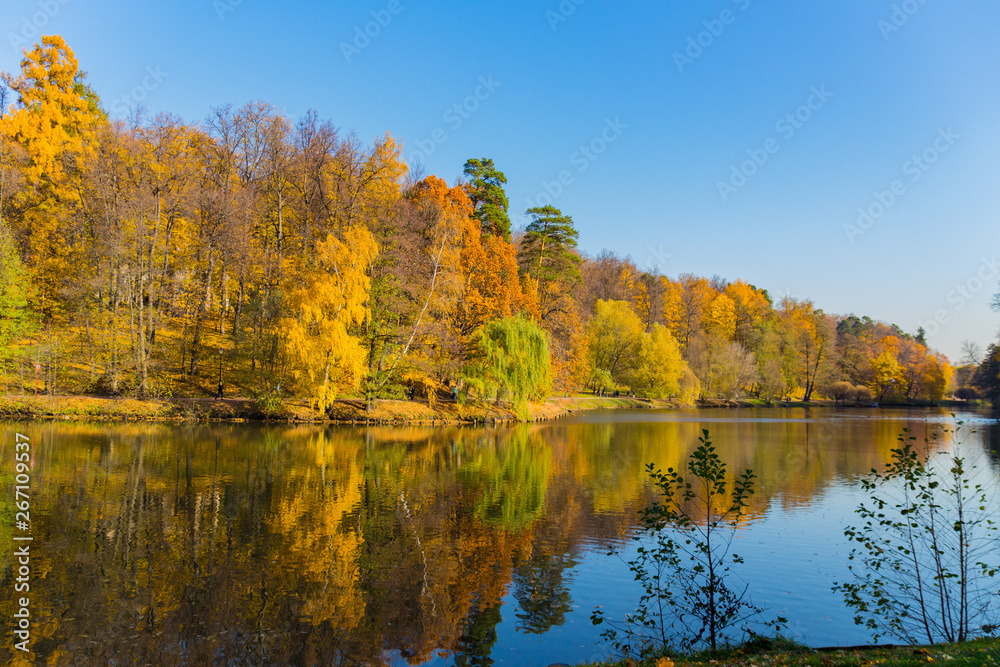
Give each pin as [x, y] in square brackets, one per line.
[793, 554]
[792, 558]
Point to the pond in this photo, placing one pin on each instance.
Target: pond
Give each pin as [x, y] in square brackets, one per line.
[258, 544]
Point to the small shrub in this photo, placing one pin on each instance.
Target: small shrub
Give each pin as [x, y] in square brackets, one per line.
[270, 404]
[690, 598]
[967, 394]
[840, 391]
[926, 549]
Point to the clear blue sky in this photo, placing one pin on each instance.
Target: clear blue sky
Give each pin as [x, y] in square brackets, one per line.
[674, 127]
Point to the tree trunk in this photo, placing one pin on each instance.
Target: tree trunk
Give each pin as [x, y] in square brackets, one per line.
[200, 315]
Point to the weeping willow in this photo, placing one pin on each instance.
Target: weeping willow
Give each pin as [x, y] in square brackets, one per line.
[510, 476]
[510, 361]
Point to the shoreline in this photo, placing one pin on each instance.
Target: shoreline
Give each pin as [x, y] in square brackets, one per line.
[352, 411]
[765, 651]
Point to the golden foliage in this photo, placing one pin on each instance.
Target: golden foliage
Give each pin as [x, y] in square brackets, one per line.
[331, 299]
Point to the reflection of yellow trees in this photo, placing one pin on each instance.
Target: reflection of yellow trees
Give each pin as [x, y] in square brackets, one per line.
[794, 458]
[611, 460]
[323, 546]
[435, 563]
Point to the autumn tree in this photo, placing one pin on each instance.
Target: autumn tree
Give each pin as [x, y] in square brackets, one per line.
[685, 306]
[937, 377]
[615, 336]
[812, 334]
[429, 249]
[15, 292]
[331, 300]
[600, 280]
[15, 193]
[725, 368]
[137, 195]
[775, 360]
[634, 290]
[887, 375]
[492, 287]
[720, 317]
[855, 340]
[369, 191]
[660, 368]
[751, 308]
[54, 121]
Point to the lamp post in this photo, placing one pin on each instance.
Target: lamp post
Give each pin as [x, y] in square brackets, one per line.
[220, 375]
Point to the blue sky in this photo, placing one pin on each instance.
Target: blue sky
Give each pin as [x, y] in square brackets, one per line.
[730, 137]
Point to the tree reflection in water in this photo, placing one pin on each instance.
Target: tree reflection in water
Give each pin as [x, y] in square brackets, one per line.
[308, 545]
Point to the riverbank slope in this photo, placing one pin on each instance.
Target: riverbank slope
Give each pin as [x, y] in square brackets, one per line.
[344, 411]
[980, 652]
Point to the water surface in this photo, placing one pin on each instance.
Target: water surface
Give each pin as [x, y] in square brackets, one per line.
[251, 544]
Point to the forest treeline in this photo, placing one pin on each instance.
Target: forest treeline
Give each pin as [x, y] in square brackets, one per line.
[154, 256]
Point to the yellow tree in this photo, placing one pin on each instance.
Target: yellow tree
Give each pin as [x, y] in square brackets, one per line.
[54, 121]
[15, 292]
[134, 195]
[569, 351]
[671, 305]
[158, 174]
[331, 299]
[14, 187]
[720, 317]
[615, 335]
[636, 292]
[813, 336]
[684, 307]
[750, 308]
[937, 377]
[660, 368]
[365, 186]
[915, 361]
[888, 376]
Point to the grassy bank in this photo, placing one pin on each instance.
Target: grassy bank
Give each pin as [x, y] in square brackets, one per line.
[127, 409]
[980, 652]
[345, 411]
